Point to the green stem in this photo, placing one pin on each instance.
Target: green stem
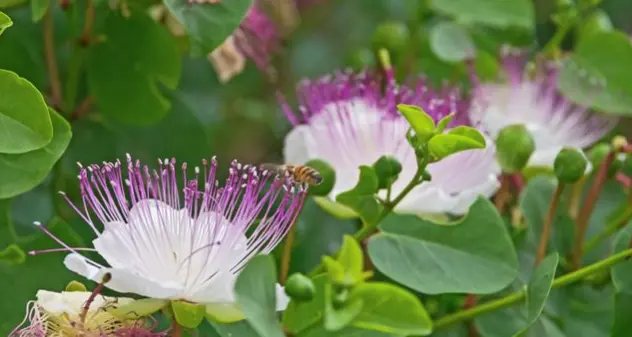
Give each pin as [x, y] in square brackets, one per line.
[517, 296]
[557, 38]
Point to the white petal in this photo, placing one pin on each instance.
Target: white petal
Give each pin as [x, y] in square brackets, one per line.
[296, 149]
[282, 299]
[123, 281]
[219, 290]
[72, 302]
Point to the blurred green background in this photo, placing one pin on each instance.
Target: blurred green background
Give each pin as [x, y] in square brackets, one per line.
[238, 120]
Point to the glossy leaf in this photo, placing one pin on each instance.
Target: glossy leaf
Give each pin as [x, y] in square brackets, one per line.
[125, 69]
[473, 255]
[351, 258]
[362, 197]
[496, 13]
[23, 114]
[455, 141]
[419, 121]
[338, 317]
[622, 272]
[538, 290]
[382, 310]
[600, 79]
[209, 25]
[255, 290]
[5, 22]
[21, 172]
[451, 42]
[188, 315]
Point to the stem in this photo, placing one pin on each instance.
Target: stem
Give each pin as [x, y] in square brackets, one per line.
[86, 34]
[587, 208]
[546, 230]
[51, 61]
[82, 109]
[519, 295]
[176, 330]
[287, 255]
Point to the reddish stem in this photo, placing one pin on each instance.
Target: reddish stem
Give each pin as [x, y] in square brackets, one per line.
[548, 221]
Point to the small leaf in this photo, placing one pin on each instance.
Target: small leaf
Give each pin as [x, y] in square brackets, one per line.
[23, 115]
[38, 9]
[446, 144]
[21, 172]
[419, 120]
[189, 315]
[474, 255]
[338, 210]
[12, 254]
[495, 13]
[387, 169]
[255, 290]
[139, 308]
[443, 123]
[451, 42]
[362, 197]
[209, 26]
[351, 259]
[538, 290]
[470, 133]
[383, 310]
[76, 286]
[337, 318]
[5, 22]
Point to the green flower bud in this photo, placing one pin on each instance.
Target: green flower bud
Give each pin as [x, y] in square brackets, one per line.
[514, 146]
[393, 36]
[300, 288]
[387, 169]
[570, 165]
[361, 58]
[76, 286]
[327, 174]
[598, 154]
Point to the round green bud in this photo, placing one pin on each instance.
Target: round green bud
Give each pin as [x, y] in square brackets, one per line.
[514, 146]
[570, 165]
[361, 58]
[300, 287]
[597, 154]
[393, 36]
[327, 177]
[387, 169]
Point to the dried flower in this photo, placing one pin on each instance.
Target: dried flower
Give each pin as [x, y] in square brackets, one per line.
[59, 314]
[350, 119]
[532, 99]
[162, 244]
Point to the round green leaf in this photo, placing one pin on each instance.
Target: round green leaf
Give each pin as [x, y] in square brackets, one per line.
[5, 22]
[595, 78]
[209, 25]
[388, 308]
[21, 172]
[496, 13]
[189, 315]
[450, 42]
[474, 255]
[26, 124]
[255, 290]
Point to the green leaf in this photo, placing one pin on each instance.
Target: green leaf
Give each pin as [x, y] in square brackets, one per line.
[362, 197]
[622, 308]
[388, 308]
[141, 308]
[23, 115]
[12, 254]
[5, 22]
[124, 71]
[622, 272]
[298, 316]
[209, 25]
[224, 313]
[351, 259]
[459, 139]
[339, 317]
[335, 209]
[588, 68]
[443, 123]
[495, 13]
[38, 9]
[255, 290]
[419, 120]
[387, 169]
[538, 290]
[189, 315]
[21, 172]
[451, 42]
[474, 255]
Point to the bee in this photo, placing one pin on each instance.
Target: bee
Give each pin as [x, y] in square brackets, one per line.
[300, 173]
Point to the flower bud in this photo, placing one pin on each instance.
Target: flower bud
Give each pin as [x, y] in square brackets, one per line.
[327, 174]
[393, 36]
[300, 288]
[598, 154]
[514, 146]
[387, 169]
[570, 165]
